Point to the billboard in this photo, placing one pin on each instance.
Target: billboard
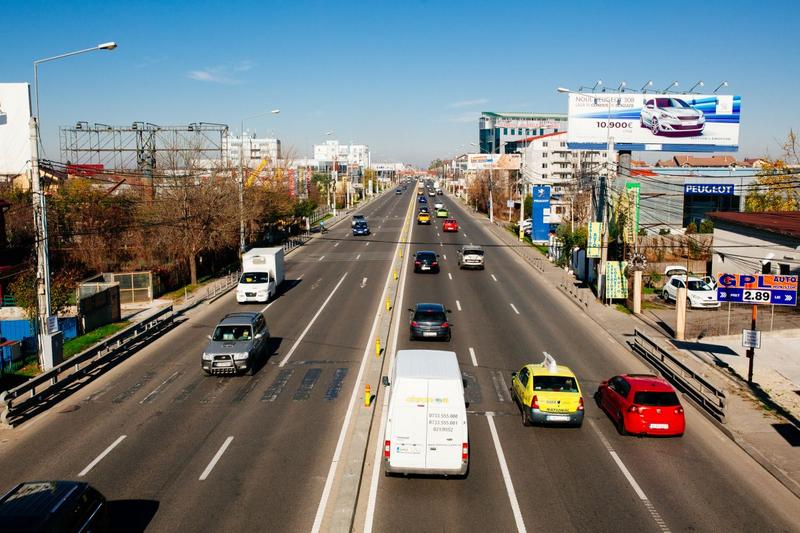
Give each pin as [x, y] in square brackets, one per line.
[594, 240]
[657, 122]
[540, 213]
[15, 149]
[494, 161]
[709, 189]
[616, 282]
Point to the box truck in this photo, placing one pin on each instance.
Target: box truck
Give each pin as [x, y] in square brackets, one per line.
[426, 425]
[262, 273]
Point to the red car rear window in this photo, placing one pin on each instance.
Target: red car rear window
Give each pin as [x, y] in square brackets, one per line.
[656, 399]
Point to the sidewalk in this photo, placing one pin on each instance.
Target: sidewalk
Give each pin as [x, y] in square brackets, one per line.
[756, 418]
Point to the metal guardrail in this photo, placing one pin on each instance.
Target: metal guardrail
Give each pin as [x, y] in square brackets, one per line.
[706, 395]
[581, 295]
[47, 383]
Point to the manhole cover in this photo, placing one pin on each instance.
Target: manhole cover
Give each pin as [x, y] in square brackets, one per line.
[70, 408]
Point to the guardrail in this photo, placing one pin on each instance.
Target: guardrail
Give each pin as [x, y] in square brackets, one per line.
[48, 384]
[706, 395]
[582, 295]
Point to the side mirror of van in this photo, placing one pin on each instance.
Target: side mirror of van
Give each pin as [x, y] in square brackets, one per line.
[385, 381]
[259, 335]
[513, 374]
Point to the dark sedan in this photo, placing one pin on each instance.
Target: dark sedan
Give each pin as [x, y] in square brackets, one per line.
[426, 262]
[429, 321]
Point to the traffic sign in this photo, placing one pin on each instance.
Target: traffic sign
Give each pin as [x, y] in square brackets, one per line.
[757, 289]
[751, 338]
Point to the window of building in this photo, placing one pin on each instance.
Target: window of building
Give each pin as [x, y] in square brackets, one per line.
[544, 154]
[544, 165]
[784, 269]
[563, 145]
[544, 143]
[559, 209]
[505, 131]
[544, 176]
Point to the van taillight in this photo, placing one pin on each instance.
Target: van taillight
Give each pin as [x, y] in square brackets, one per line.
[535, 402]
[413, 323]
[387, 449]
[417, 263]
[464, 451]
[435, 263]
[580, 403]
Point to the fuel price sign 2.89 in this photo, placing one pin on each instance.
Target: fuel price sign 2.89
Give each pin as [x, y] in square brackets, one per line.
[757, 289]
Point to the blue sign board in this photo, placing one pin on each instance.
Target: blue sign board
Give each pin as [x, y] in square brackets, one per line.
[709, 189]
[541, 202]
[768, 289]
[754, 296]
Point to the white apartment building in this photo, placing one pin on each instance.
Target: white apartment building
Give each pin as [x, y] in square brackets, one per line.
[255, 150]
[344, 154]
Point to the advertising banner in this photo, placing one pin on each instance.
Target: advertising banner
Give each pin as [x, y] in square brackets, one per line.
[659, 122]
[767, 289]
[616, 282]
[15, 149]
[540, 216]
[632, 215]
[709, 189]
[494, 161]
[594, 240]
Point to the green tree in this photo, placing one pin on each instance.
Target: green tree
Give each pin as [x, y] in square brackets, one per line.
[776, 189]
[62, 289]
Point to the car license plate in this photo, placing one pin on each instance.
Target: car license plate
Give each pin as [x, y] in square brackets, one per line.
[429, 334]
[659, 426]
[425, 267]
[223, 363]
[558, 418]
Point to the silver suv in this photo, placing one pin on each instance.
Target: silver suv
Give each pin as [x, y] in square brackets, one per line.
[237, 344]
[471, 256]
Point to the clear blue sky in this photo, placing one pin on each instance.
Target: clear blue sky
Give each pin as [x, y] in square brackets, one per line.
[409, 78]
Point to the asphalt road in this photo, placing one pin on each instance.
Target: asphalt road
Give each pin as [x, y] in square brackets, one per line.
[178, 451]
[557, 479]
[167, 421]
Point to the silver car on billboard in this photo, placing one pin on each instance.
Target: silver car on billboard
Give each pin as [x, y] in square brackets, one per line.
[668, 116]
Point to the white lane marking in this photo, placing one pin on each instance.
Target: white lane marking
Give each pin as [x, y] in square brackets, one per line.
[494, 278]
[357, 387]
[631, 480]
[458, 305]
[472, 356]
[367, 243]
[437, 233]
[445, 256]
[512, 495]
[337, 244]
[514, 308]
[464, 234]
[358, 257]
[441, 244]
[302, 335]
[321, 258]
[376, 465]
[101, 456]
[449, 275]
[160, 387]
[363, 283]
[216, 458]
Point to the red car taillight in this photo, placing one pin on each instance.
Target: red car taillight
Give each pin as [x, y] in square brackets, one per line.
[445, 325]
[387, 449]
[535, 402]
[417, 262]
[413, 323]
[464, 451]
[580, 403]
[434, 263]
[679, 410]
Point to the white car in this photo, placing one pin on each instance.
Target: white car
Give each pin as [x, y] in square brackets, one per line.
[438, 205]
[699, 293]
[671, 116]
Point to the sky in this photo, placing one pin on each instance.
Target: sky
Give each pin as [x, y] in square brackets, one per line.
[409, 77]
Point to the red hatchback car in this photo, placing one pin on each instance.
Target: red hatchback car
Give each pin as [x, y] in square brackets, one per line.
[642, 404]
[450, 224]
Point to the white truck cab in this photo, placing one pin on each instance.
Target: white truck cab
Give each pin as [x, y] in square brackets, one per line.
[426, 425]
[262, 273]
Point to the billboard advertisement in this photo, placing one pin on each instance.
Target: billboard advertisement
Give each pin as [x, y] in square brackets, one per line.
[616, 282]
[594, 240]
[631, 229]
[494, 161]
[658, 122]
[15, 149]
[541, 213]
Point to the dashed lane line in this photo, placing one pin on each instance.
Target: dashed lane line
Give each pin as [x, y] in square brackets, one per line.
[458, 305]
[494, 278]
[216, 459]
[472, 356]
[501, 458]
[101, 456]
[514, 308]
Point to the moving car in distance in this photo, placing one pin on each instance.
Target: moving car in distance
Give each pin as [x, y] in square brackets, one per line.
[642, 404]
[699, 294]
[429, 321]
[238, 342]
[547, 393]
[425, 261]
[424, 209]
[442, 213]
[423, 200]
[361, 228]
[423, 218]
[671, 116]
[54, 506]
[398, 191]
[356, 219]
[471, 256]
[262, 274]
[450, 225]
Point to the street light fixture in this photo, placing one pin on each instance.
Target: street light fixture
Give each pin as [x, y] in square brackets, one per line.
[673, 84]
[40, 218]
[696, 85]
[721, 85]
[645, 86]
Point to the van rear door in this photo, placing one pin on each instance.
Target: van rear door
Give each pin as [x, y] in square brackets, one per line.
[408, 424]
[447, 425]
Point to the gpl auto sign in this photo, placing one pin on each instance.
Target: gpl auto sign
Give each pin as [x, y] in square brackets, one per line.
[757, 289]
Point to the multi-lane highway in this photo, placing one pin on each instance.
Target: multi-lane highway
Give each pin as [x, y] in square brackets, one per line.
[179, 451]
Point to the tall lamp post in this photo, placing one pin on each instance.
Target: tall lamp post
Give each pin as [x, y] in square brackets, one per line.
[334, 173]
[47, 357]
[242, 244]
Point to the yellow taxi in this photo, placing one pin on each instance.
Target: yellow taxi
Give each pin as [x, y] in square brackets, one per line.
[424, 218]
[547, 393]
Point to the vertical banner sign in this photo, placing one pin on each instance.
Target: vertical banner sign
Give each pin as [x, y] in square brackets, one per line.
[292, 183]
[594, 240]
[616, 282]
[541, 206]
[632, 216]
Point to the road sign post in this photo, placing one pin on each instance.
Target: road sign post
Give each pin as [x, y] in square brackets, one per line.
[751, 351]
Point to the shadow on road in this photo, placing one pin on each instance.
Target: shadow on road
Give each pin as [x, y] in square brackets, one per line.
[131, 516]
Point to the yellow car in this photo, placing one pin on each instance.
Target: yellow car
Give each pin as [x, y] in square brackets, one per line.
[547, 393]
[423, 218]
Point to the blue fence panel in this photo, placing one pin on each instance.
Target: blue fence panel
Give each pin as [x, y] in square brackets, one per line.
[19, 330]
[69, 325]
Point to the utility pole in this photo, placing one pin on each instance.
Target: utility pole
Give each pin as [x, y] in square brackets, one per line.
[241, 193]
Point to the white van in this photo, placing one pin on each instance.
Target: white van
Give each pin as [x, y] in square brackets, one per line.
[426, 425]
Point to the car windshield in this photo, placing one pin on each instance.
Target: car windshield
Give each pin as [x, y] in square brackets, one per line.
[255, 277]
[699, 286]
[232, 333]
[671, 102]
[473, 252]
[429, 316]
[555, 383]
[654, 398]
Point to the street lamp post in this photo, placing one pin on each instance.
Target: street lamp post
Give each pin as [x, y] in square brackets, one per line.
[47, 357]
[242, 244]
